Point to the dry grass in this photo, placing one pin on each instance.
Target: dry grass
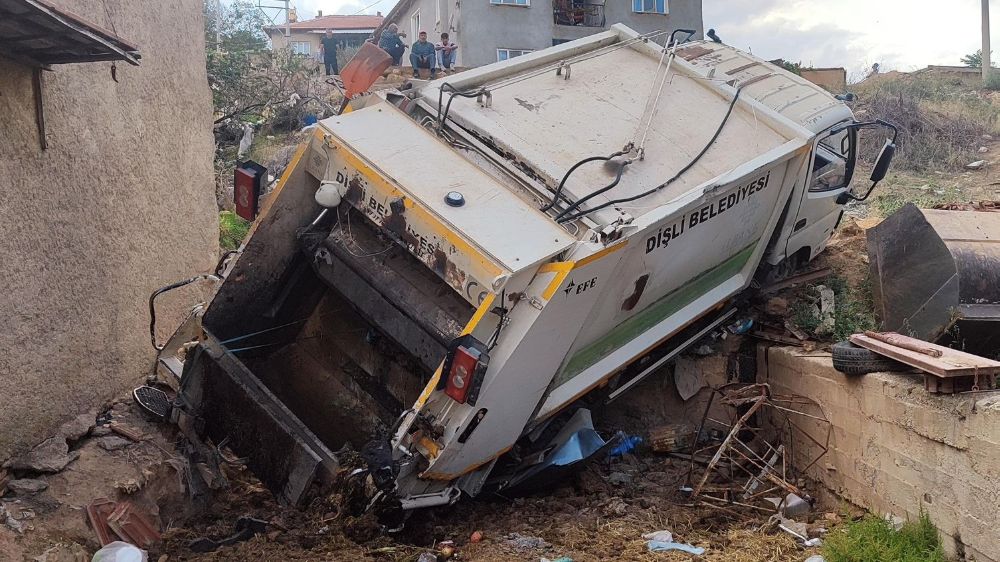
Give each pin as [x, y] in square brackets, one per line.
[941, 121]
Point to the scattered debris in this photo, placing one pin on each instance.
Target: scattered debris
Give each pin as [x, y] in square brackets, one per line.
[120, 552]
[804, 277]
[978, 164]
[113, 443]
[51, 455]
[27, 486]
[78, 427]
[661, 536]
[671, 438]
[427, 557]
[525, 542]
[476, 537]
[97, 515]
[750, 463]
[71, 552]
[130, 524]
[777, 306]
[16, 517]
[245, 529]
[662, 546]
[983, 149]
[688, 378]
[947, 370]
[127, 432]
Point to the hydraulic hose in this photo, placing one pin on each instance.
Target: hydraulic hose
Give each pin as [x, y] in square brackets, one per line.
[676, 176]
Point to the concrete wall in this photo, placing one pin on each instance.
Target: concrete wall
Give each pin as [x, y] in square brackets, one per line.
[896, 448]
[832, 79]
[121, 203]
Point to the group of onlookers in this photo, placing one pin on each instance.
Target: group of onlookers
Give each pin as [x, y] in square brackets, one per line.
[423, 54]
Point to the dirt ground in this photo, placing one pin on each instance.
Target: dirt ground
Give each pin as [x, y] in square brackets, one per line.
[600, 513]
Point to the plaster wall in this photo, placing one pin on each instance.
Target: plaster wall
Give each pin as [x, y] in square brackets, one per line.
[121, 203]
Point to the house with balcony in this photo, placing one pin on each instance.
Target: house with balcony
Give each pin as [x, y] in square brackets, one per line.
[494, 30]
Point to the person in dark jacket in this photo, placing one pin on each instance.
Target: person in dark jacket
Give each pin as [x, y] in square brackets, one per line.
[328, 50]
[391, 42]
[423, 55]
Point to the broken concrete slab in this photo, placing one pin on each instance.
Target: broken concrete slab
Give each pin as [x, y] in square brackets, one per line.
[27, 486]
[51, 455]
[113, 443]
[79, 426]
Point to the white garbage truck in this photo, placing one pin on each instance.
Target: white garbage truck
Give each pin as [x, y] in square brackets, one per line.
[450, 270]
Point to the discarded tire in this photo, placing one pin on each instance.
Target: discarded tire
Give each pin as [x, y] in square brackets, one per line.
[854, 360]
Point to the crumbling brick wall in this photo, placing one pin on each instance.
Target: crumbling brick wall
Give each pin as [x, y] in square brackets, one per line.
[121, 203]
[897, 449]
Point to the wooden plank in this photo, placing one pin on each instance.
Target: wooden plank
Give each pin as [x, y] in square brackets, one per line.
[952, 363]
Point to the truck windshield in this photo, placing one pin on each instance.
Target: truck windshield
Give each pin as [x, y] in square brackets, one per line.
[834, 162]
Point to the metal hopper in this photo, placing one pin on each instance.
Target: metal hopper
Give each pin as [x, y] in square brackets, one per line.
[936, 276]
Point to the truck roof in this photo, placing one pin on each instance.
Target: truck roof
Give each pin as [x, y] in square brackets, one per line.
[549, 121]
[790, 95]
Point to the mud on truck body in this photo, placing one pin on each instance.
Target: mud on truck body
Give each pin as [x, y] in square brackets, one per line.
[447, 273]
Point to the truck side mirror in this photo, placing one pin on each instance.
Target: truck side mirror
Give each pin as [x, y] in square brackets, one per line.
[883, 161]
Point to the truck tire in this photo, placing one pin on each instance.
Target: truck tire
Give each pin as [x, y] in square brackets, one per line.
[851, 359]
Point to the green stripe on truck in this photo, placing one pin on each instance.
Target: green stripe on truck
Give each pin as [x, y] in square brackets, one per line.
[654, 314]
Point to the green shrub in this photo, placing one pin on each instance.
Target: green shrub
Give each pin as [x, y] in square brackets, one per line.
[992, 81]
[872, 538]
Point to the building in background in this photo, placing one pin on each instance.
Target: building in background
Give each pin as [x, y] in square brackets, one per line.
[106, 153]
[305, 36]
[488, 31]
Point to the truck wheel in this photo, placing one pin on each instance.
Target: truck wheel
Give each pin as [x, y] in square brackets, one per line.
[851, 359]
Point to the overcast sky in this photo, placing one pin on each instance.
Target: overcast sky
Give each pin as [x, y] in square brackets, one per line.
[898, 34]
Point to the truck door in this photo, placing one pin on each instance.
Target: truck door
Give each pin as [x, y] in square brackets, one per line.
[818, 213]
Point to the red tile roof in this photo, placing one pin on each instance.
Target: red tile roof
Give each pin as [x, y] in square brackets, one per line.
[335, 22]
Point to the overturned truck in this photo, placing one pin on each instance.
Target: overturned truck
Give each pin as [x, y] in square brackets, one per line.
[446, 273]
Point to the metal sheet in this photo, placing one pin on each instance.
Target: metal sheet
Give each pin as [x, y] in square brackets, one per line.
[507, 228]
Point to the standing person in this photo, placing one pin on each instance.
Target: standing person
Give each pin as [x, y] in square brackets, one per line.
[328, 50]
[391, 42]
[446, 53]
[423, 55]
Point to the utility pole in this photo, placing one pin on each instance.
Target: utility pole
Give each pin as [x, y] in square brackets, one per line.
[288, 22]
[218, 26]
[986, 39]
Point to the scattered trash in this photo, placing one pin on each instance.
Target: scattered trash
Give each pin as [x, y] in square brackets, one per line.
[795, 506]
[978, 164]
[688, 377]
[815, 558]
[665, 546]
[525, 542]
[627, 445]
[741, 326]
[659, 536]
[427, 557]
[246, 528]
[476, 537]
[446, 549]
[671, 438]
[120, 552]
[26, 486]
[560, 559]
[51, 455]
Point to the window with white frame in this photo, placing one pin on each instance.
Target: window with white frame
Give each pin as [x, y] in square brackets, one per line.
[504, 54]
[512, 2]
[649, 6]
[301, 47]
[414, 26]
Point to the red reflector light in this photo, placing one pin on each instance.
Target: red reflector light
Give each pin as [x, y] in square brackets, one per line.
[463, 368]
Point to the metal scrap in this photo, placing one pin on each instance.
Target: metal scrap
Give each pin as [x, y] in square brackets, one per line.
[752, 461]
